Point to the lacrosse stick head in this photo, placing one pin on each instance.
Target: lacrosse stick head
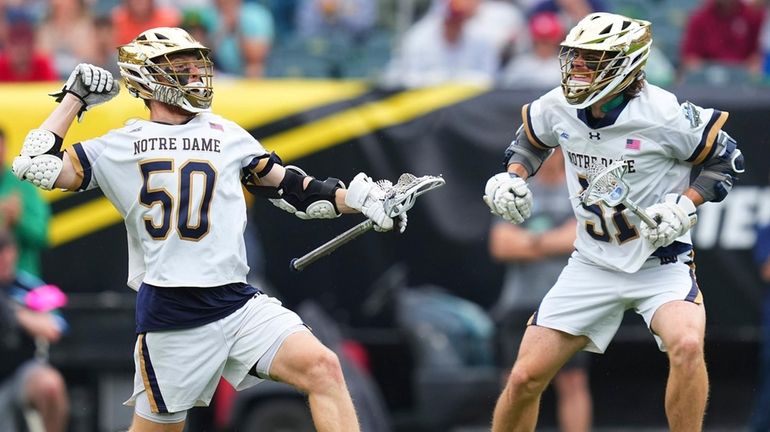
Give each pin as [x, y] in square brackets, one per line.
[606, 184]
[401, 196]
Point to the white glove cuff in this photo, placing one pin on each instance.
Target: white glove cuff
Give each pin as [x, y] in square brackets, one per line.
[360, 189]
[684, 206]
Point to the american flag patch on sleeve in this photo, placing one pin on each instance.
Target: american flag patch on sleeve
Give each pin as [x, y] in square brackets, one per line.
[633, 144]
[217, 126]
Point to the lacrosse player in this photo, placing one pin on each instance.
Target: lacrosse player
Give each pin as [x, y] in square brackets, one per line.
[603, 112]
[176, 180]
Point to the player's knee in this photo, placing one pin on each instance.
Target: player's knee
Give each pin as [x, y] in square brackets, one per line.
[524, 383]
[325, 372]
[685, 349]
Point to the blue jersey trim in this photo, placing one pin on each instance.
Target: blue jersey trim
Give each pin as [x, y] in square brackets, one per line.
[609, 119]
[674, 249]
[85, 163]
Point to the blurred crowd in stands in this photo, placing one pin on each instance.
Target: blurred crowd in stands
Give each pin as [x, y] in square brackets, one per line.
[510, 43]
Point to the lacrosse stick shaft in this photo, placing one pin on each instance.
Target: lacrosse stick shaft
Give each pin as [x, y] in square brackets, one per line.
[641, 213]
[298, 264]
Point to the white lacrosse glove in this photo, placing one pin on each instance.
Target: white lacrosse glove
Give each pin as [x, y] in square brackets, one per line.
[508, 196]
[91, 84]
[675, 216]
[366, 196]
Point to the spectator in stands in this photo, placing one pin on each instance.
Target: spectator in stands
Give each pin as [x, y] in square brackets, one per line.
[538, 68]
[21, 61]
[535, 253]
[67, 34]
[26, 382]
[193, 21]
[3, 28]
[722, 32]
[760, 418]
[241, 35]
[504, 23]
[352, 19]
[23, 212]
[443, 46]
[284, 16]
[132, 17]
[569, 11]
[337, 34]
[106, 52]
[764, 44]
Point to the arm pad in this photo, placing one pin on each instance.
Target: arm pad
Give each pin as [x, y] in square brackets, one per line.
[250, 177]
[719, 173]
[523, 152]
[317, 201]
[40, 161]
[41, 141]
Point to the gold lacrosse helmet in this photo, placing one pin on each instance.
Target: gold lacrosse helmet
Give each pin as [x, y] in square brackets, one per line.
[151, 68]
[613, 48]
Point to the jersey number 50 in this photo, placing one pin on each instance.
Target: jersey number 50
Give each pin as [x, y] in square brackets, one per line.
[184, 210]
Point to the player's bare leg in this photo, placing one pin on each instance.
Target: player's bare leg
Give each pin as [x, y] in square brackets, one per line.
[682, 326]
[542, 352]
[574, 400]
[140, 424]
[305, 363]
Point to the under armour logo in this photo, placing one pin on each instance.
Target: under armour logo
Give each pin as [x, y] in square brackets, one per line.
[594, 135]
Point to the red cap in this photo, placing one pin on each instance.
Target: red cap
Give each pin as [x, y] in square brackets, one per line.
[546, 25]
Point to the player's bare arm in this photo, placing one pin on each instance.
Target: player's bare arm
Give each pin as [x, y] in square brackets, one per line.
[292, 190]
[41, 161]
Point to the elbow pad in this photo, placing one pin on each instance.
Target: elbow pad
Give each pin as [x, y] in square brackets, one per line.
[317, 201]
[719, 173]
[40, 161]
[523, 152]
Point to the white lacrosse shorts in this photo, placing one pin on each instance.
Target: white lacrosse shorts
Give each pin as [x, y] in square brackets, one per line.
[589, 300]
[180, 369]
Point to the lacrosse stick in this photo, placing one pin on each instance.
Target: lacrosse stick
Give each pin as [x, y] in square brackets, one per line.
[398, 199]
[606, 185]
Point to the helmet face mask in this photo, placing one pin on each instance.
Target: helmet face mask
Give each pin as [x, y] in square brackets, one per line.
[602, 55]
[167, 65]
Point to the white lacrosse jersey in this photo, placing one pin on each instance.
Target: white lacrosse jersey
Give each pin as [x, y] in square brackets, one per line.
[660, 140]
[179, 192]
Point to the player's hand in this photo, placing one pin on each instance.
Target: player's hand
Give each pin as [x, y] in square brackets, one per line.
[91, 84]
[366, 196]
[400, 221]
[675, 216]
[508, 196]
